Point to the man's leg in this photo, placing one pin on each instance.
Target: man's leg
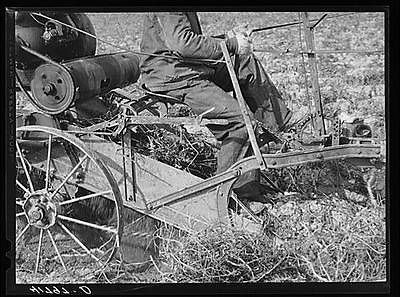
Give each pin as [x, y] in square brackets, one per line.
[201, 95]
[261, 95]
[263, 99]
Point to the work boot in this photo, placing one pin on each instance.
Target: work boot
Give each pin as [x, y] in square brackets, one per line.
[249, 187]
[265, 139]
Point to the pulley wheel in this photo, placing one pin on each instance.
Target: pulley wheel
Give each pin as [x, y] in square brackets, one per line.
[53, 88]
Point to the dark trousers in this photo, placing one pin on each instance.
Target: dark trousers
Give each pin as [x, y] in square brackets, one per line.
[261, 95]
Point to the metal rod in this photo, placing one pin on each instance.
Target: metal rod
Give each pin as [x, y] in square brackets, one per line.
[80, 222]
[128, 165]
[303, 64]
[22, 187]
[319, 21]
[77, 240]
[249, 211]
[84, 197]
[142, 120]
[309, 38]
[296, 23]
[243, 106]
[48, 163]
[24, 166]
[57, 251]
[22, 233]
[68, 177]
[39, 250]
[320, 52]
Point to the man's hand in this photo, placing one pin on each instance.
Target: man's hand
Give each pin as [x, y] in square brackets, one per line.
[242, 34]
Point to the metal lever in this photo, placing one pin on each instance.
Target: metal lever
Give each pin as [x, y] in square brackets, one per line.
[243, 108]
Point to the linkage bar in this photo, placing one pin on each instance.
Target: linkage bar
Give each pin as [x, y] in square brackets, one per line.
[243, 107]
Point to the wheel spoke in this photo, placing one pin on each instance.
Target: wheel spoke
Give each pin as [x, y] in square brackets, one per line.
[48, 162]
[66, 192]
[77, 241]
[57, 251]
[22, 233]
[22, 187]
[87, 224]
[25, 169]
[19, 203]
[85, 197]
[68, 176]
[240, 203]
[39, 250]
[20, 214]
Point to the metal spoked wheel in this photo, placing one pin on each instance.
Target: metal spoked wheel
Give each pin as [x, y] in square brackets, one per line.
[68, 205]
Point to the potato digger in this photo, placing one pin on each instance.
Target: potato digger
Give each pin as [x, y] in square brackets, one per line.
[66, 163]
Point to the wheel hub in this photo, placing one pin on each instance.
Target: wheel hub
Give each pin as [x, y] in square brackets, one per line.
[40, 210]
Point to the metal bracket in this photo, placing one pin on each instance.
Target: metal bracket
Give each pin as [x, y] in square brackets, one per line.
[336, 131]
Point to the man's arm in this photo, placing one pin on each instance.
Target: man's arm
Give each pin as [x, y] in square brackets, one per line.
[181, 38]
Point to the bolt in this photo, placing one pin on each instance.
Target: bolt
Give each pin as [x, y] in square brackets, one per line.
[319, 156]
[79, 175]
[35, 215]
[360, 152]
[274, 162]
[49, 89]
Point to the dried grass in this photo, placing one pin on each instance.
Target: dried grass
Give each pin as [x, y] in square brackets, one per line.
[324, 240]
